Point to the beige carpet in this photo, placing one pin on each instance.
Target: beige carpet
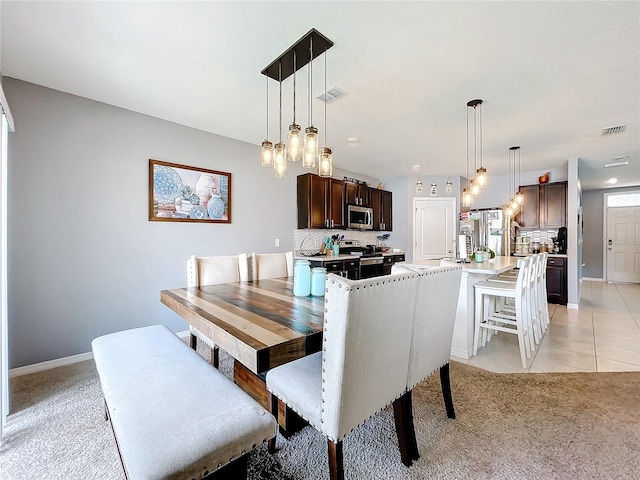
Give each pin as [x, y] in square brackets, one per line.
[511, 426]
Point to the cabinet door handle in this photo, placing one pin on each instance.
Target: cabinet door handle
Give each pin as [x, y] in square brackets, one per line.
[326, 223]
[332, 223]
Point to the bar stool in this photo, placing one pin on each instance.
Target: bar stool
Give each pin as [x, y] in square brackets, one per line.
[489, 319]
[543, 303]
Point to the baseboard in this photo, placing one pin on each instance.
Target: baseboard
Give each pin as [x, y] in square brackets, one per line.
[461, 353]
[573, 306]
[61, 362]
[58, 362]
[589, 279]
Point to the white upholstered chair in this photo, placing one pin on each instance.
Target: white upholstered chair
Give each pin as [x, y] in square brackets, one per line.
[376, 347]
[271, 265]
[214, 270]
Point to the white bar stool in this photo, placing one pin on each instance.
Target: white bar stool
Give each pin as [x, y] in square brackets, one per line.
[487, 319]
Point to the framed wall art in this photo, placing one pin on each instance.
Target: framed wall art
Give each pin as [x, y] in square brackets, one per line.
[181, 193]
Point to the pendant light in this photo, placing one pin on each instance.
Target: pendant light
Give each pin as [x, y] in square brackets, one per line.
[513, 205]
[311, 132]
[325, 162]
[266, 154]
[280, 157]
[467, 195]
[480, 180]
[294, 150]
[519, 194]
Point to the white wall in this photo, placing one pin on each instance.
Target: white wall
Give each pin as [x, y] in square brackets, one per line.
[84, 259]
[574, 234]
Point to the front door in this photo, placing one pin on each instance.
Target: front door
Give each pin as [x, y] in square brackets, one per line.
[434, 226]
[623, 244]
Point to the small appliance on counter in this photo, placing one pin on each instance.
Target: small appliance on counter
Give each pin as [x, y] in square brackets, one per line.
[562, 240]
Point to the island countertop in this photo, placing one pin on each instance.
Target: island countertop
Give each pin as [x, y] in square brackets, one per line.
[494, 266]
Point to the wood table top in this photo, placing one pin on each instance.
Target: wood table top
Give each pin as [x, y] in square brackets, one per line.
[259, 323]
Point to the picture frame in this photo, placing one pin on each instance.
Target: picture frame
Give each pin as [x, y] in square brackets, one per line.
[182, 193]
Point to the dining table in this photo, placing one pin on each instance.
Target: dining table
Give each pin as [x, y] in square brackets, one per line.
[259, 323]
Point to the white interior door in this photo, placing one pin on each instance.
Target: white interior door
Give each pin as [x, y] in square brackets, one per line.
[434, 227]
[623, 244]
[4, 340]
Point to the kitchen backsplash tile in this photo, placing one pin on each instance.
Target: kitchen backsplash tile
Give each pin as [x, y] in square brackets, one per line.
[313, 238]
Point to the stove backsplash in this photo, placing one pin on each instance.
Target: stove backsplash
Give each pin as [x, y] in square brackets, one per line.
[315, 237]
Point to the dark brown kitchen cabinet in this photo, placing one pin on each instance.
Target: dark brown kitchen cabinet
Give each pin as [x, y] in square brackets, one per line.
[357, 194]
[557, 280]
[529, 214]
[554, 205]
[381, 202]
[544, 206]
[320, 202]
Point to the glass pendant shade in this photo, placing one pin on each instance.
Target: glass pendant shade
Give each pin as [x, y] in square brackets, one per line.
[520, 197]
[474, 187]
[310, 147]
[267, 154]
[325, 162]
[294, 151]
[514, 205]
[481, 177]
[280, 159]
[467, 197]
[508, 212]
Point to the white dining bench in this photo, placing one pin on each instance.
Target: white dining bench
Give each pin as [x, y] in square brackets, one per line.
[173, 415]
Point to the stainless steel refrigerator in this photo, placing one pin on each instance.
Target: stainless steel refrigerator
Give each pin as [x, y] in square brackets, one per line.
[486, 228]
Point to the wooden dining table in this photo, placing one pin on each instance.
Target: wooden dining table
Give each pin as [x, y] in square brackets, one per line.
[260, 323]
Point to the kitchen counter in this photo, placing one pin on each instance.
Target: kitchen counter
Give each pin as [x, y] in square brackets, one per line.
[343, 256]
[494, 266]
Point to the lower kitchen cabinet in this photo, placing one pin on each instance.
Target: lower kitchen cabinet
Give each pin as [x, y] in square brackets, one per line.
[557, 280]
[346, 268]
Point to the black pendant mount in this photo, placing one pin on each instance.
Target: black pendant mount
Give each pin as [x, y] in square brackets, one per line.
[514, 148]
[474, 103]
[302, 49]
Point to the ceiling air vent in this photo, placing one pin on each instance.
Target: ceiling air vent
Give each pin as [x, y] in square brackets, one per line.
[331, 95]
[613, 130]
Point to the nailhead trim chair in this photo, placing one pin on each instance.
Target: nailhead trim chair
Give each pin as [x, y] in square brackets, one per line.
[381, 337]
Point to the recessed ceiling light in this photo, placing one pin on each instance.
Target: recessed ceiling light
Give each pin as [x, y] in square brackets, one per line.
[612, 181]
[415, 168]
[352, 141]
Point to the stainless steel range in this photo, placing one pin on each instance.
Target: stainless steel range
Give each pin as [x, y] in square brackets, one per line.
[371, 262]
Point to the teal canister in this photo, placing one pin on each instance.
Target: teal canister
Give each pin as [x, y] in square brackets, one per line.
[318, 277]
[302, 278]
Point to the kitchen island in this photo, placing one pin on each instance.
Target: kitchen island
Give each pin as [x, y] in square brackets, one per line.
[472, 273]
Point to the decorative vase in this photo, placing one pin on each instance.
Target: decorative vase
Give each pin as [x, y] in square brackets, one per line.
[215, 206]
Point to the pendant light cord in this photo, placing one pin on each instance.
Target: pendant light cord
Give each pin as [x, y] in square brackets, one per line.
[468, 181]
[294, 86]
[481, 162]
[311, 81]
[267, 107]
[280, 81]
[325, 97]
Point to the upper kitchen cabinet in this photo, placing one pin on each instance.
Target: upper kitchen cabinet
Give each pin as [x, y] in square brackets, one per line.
[381, 202]
[553, 202]
[356, 194]
[320, 202]
[545, 206]
[529, 214]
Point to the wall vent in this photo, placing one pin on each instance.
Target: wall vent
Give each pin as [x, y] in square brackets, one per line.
[331, 95]
[613, 130]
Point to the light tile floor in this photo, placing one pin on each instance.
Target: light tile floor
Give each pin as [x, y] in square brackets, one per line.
[603, 335]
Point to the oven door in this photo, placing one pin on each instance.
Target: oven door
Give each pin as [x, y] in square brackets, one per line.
[371, 267]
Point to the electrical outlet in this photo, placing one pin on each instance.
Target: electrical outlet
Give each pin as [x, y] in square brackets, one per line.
[277, 242]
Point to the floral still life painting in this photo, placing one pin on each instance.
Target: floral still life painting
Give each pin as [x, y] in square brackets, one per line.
[181, 193]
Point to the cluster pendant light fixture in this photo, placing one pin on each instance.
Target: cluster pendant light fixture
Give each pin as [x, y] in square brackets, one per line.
[479, 181]
[518, 198]
[301, 53]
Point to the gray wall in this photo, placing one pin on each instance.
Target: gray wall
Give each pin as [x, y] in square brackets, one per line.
[593, 234]
[83, 258]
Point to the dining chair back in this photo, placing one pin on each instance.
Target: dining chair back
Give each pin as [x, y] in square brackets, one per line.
[271, 265]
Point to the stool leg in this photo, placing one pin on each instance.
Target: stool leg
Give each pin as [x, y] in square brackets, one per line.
[477, 320]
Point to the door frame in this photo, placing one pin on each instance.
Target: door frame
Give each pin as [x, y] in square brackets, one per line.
[456, 219]
[605, 228]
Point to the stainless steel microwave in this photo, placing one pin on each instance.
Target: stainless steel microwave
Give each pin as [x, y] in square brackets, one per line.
[359, 218]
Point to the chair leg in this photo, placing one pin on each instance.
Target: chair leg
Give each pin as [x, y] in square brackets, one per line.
[336, 467]
[445, 382]
[215, 356]
[272, 401]
[193, 341]
[477, 320]
[405, 430]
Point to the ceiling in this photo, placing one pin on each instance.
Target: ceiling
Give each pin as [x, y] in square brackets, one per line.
[552, 75]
